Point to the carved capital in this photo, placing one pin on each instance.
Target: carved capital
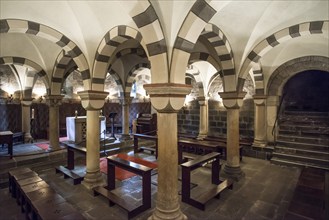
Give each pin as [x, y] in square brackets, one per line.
[54, 100]
[167, 97]
[92, 100]
[232, 100]
[26, 101]
[260, 99]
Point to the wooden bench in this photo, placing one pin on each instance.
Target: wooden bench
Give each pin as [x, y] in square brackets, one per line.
[151, 149]
[37, 199]
[219, 185]
[11, 173]
[69, 171]
[132, 207]
[146, 137]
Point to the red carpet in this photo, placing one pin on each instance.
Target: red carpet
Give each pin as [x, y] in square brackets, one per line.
[44, 146]
[122, 174]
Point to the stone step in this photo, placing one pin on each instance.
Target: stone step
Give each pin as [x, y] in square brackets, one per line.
[302, 152]
[283, 162]
[304, 159]
[303, 139]
[305, 146]
[294, 131]
[307, 113]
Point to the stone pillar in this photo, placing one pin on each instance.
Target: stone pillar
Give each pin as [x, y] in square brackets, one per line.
[232, 102]
[167, 99]
[260, 122]
[125, 103]
[272, 104]
[26, 119]
[203, 125]
[53, 102]
[93, 101]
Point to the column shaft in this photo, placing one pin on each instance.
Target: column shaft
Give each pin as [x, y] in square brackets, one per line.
[93, 175]
[26, 126]
[260, 126]
[167, 206]
[203, 125]
[53, 127]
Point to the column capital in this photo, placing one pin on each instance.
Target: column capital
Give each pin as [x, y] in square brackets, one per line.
[232, 100]
[125, 100]
[54, 100]
[26, 101]
[167, 97]
[202, 100]
[260, 99]
[92, 100]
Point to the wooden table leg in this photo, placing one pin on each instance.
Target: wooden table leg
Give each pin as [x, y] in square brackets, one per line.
[186, 179]
[147, 189]
[215, 167]
[70, 159]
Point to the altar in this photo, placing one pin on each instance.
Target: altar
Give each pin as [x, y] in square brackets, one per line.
[76, 128]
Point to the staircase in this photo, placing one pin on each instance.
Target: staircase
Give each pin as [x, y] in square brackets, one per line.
[303, 140]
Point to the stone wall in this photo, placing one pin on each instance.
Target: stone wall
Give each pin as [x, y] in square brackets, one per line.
[188, 119]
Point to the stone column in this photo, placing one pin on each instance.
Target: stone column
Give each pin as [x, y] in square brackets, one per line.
[272, 104]
[232, 102]
[53, 102]
[167, 99]
[260, 121]
[203, 125]
[26, 119]
[125, 103]
[93, 101]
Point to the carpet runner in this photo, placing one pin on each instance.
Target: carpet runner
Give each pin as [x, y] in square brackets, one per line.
[45, 145]
[122, 174]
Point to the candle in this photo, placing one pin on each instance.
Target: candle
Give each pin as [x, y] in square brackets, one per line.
[101, 112]
[32, 113]
[76, 113]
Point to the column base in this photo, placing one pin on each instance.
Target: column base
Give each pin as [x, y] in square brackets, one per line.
[54, 148]
[234, 173]
[258, 143]
[201, 136]
[28, 138]
[93, 179]
[160, 214]
[125, 137]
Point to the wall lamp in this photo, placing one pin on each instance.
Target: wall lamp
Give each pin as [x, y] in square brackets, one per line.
[10, 98]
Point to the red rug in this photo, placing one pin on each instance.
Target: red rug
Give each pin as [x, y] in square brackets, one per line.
[43, 146]
[122, 174]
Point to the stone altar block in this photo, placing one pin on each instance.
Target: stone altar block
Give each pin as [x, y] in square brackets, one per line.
[76, 127]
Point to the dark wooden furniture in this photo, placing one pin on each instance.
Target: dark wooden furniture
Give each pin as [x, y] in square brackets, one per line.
[138, 148]
[69, 171]
[133, 207]
[6, 137]
[204, 146]
[215, 191]
[146, 123]
[37, 199]
[18, 137]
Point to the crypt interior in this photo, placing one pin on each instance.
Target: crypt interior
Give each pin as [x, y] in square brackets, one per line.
[199, 99]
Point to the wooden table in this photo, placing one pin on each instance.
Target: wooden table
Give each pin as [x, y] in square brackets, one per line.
[218, 185]
[6, 137]
[133, 207]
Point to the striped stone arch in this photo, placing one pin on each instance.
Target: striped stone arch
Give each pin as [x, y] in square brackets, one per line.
[257, 72]
[106, 49]
[289, 69]
[149, 26]
[195, 21]
[212, 79]
[43, 31]
[118, 81]
[30, 78]
[198, 81]
[224, 52]
[62, 64]
[295, 31]
[197, 56]
[132, 75]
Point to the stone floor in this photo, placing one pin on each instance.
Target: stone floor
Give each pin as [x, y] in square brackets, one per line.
[264, 193]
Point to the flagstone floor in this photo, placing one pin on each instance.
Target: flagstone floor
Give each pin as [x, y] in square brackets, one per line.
[264, 193]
